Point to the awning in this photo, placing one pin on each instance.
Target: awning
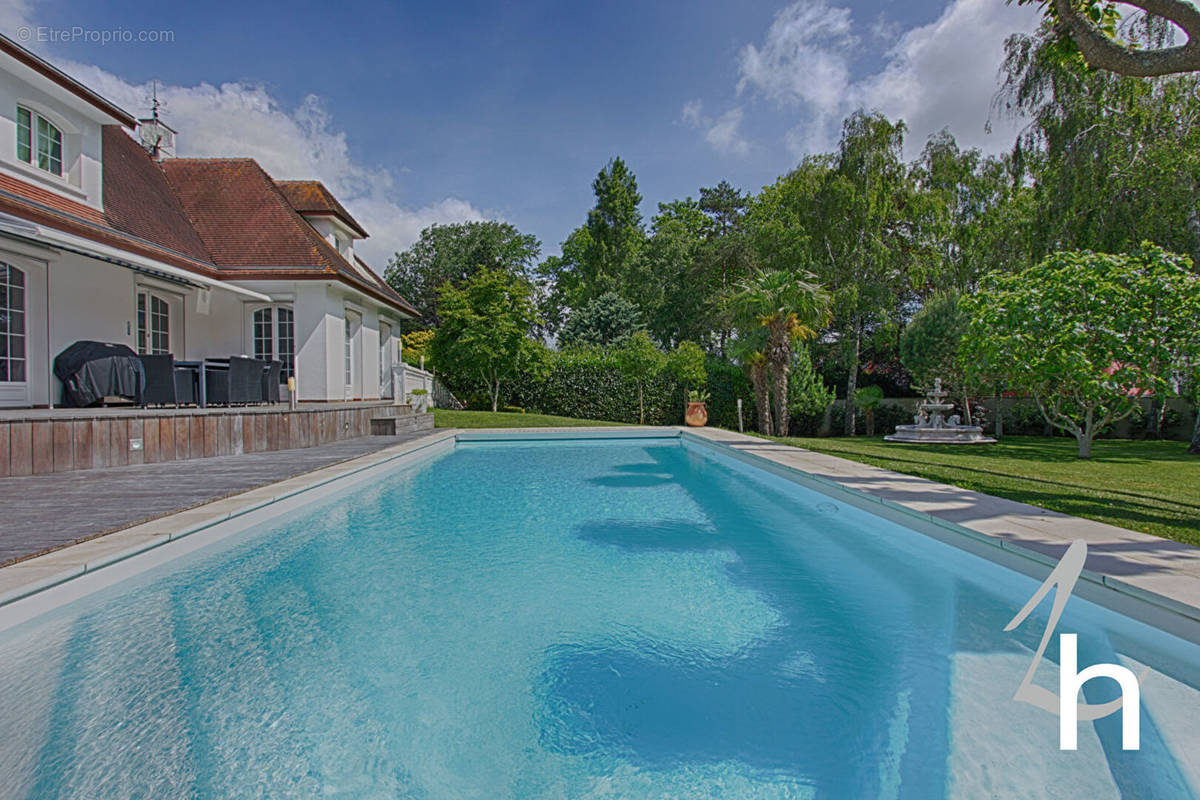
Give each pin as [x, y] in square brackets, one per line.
[22, 229]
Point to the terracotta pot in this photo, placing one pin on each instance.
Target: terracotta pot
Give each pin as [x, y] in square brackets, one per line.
[696, 415]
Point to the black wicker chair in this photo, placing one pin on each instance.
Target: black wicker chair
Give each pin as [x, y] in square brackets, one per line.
[160, 380]
[271, 381]
[216, 382]
[187, 387]
[245, 380]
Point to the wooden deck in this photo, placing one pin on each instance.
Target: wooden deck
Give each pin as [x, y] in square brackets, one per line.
[45, 512]
[42, 441]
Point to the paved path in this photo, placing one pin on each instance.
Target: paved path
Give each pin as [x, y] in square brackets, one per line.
[44, 512]
[1161, 566]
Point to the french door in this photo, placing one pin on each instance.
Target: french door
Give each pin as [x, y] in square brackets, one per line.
[273, 332]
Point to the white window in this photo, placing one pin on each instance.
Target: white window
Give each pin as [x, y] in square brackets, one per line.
[39, 141]
[153, 324]
[12, 324]
[274, 335]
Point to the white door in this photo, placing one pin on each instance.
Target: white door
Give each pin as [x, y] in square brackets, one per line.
[385, 360]
[353, 353]
[14, 330]
[155, 334]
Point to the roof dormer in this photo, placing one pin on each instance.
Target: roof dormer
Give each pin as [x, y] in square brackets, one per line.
[50, 127]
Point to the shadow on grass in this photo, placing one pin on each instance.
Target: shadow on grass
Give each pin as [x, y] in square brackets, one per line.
[929, 468]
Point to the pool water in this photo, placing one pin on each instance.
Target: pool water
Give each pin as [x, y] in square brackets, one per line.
[609, 619]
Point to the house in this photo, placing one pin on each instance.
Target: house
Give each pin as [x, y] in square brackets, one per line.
[100, 239]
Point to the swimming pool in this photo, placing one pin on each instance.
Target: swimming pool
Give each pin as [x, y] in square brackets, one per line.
[624, 618]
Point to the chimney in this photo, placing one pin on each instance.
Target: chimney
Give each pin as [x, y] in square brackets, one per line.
[157, 137]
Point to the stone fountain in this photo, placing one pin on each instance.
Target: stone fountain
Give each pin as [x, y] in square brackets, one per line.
[930, 425]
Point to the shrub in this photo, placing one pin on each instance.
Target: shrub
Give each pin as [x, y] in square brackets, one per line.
[726, 383]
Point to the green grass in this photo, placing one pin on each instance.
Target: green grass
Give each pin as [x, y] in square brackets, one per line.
[1146, 486]
[447, 418]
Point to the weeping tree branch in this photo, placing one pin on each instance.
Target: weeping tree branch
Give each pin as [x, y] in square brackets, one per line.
[1102, 52]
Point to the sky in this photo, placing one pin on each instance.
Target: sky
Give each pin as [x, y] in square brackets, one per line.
[417, 112]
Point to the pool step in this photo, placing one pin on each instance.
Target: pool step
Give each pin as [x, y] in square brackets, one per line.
[404, 419]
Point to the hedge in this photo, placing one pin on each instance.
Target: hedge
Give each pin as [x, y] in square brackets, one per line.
[586, 384]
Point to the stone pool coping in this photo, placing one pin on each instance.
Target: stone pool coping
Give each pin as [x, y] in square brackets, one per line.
[1152, 579]
[1145, 568]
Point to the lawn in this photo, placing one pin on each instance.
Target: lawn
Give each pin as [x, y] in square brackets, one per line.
[447, 418]
[1146, 486]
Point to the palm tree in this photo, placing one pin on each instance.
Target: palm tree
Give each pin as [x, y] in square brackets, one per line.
[748, 348]
[789, 306]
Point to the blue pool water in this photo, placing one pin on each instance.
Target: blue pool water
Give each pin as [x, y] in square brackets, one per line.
[617, 619]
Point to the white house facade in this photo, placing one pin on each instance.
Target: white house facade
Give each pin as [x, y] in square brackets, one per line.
[199, 258]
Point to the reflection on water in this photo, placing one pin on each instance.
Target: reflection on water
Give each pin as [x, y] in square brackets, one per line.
[621, 620]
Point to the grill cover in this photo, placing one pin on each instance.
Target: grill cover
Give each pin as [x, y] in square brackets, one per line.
[91, 371]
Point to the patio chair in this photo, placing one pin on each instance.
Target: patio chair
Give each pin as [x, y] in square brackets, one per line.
[245, 380]
[186, 387]
[160, 380]
[216, 381]
[271, 381]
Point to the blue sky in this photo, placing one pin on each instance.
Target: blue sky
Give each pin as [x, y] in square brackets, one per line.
[431, 111]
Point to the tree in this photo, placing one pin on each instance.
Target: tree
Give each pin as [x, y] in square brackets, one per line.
[789, 306]
[868, 399]
[485, 327]
[1088, 31]
[602, 255]
[686, 363]
[726, 256]
[673, 291]
[749, 348]
[807, 392]
[417, 346]
[640, 360]
[455, 253]
[929, 346]
[1086, 334]
[1112, 160]
[604, 321]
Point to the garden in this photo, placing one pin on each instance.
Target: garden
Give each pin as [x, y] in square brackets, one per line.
[1051, 290]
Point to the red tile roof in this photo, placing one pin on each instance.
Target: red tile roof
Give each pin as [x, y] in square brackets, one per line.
[138, 200]
[312, 198]
[50, 199]
[252, 230]
[224, 219]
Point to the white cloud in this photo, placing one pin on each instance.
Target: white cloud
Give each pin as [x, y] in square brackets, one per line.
[239, 119]
[724, 133]
[805, 58]
[945, 74]
[939, 75]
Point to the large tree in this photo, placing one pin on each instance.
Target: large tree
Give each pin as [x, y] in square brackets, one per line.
[1086, 334]
[789, 305]
[454, 253]
[606, 320]
[1114, 160]
[930, 344]
[864, 234]
[485, 330]
[603, 254]
[1088, 31]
